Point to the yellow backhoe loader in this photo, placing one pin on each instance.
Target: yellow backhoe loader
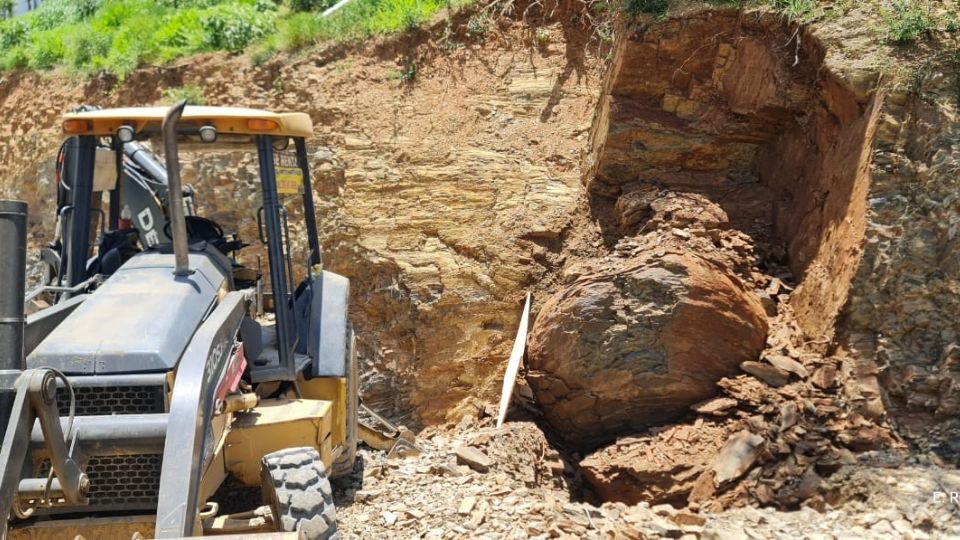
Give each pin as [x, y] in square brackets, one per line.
[163, 365]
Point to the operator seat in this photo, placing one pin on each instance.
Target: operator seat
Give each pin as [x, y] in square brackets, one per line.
[201, 229]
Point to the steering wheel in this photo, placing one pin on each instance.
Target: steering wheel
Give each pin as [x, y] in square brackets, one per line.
[198, 228]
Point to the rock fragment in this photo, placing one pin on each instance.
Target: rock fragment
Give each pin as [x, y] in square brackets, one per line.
[716, 406]
[466, 505]
[824, 377]
[736, 456]
[788, 415]
[473, 458]
[787, 364]
[771, 375]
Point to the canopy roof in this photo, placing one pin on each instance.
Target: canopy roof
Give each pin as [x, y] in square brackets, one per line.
[227, 120]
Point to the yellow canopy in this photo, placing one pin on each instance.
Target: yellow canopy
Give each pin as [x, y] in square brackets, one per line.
[224, 119]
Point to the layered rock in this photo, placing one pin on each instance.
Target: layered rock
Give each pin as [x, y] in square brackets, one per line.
[756, 120]
[637, 337]
[441, 211]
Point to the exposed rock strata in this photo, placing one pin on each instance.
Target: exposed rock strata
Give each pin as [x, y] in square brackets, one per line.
[444, 202]
[639, 342]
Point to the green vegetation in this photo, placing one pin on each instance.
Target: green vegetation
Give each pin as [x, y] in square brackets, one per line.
[116, 36]
[6, 8]
[359, 19]
[478, 25]
[905, 21]
[543, 36]
[796, 10]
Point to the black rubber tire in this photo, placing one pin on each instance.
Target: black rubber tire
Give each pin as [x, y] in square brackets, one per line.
[296, 487]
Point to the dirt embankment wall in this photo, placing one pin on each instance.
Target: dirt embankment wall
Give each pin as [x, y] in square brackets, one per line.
[442, 198]
[742, 109]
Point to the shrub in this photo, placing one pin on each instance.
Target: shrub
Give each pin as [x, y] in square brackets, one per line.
[409, 72]
[298, 30]
[45, 49]
[232, 28]
[404, 15]
[478, 25]
[81, 47]
[12, 33]
[800, 10]
[543, 36]
[15, 58]
[310, 5]
[906, 21]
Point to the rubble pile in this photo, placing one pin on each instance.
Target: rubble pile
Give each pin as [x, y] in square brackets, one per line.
[473, 480]
[767, 430]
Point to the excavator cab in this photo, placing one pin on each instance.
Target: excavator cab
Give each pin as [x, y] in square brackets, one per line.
[139, 391]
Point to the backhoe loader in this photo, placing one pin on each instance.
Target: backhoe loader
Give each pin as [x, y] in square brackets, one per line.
[163, 368]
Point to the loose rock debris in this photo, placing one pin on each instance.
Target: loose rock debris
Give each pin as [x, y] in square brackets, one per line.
[529, 492]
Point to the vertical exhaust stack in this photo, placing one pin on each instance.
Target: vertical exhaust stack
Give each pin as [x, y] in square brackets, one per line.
[13, 265]
[13, 268]
[178, 224]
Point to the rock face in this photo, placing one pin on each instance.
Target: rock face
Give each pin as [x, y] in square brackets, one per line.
[771, 134]
[638, 343]
[442, 212]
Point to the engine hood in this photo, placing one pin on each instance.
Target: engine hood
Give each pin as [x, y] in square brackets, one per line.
[140, 320]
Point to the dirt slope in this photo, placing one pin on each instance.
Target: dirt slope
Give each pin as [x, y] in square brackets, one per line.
[453, 194]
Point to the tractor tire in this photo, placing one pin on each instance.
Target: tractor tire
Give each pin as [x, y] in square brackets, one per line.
[296, 487]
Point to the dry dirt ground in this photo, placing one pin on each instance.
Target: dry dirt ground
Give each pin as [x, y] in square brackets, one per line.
[518, 487]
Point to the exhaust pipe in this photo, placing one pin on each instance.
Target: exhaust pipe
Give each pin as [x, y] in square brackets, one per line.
[13, 268]
[178, 224]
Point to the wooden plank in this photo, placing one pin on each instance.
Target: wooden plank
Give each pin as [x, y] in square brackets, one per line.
[513, 365]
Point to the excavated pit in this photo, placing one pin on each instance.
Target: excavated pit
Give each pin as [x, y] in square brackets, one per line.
[723, 141]
[741, 109]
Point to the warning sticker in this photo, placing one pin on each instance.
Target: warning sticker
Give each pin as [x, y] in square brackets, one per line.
[289, 180]
[289, 174]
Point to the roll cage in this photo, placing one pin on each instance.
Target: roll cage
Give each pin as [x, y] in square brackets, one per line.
[266, 131]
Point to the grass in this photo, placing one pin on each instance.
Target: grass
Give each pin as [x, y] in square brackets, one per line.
[360, 19]
[86, 37]
[116, 36]
[906, 21]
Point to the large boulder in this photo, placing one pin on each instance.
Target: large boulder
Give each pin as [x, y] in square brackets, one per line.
[637, 343]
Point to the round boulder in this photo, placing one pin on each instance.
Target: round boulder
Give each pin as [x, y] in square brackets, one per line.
[633, 346]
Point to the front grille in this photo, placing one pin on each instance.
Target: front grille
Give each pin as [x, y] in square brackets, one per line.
[124, 480]
[117, 482]
[92, 400]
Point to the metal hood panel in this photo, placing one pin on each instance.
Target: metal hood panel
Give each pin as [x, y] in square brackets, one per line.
[141, 319]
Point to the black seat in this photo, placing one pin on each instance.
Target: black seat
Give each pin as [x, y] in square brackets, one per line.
[115, 248]
[201, 229]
